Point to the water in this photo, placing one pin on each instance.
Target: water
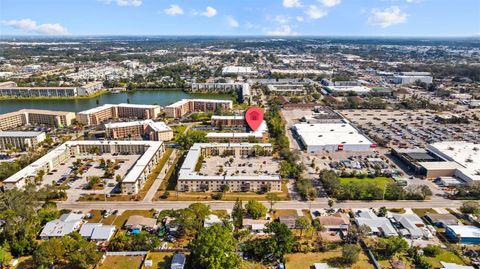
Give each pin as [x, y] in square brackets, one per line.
[159, 97]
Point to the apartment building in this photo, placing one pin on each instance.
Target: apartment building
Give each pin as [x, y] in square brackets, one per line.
[20, 140]
[227, 121]
[185, 106]
[146, 129]
[150, 151]
[99, 114]
[36, 116]
[11, 89]
[190, 180]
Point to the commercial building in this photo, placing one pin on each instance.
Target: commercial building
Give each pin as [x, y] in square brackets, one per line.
[20, 140]
[238, 70]
[34, 117]
[10, 89]
[331, 137]
[463, 234]
[99, 114]
[457, 158]
[412, 77]
[301, 72]
[186, 106]
[359, 90]
[146, 129]
[190, 180]
[133, 181]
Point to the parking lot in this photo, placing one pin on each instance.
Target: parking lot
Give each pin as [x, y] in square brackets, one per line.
[407, 129]
[76, 178]
[236, 166]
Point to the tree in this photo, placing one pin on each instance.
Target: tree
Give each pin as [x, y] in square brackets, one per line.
[49, 253]
[5, 256]
[200, 210]
[272, 199]
[282, 240]
[432, 250]
[356, 233]
[350, 253]
[382, 211]
[237, 214]
[387, 247]
[214, 248]
[187, 140]
[303, 223]
[330, 203]
[255, 209]
[470, 207]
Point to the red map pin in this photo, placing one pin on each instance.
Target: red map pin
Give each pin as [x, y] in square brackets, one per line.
[254, 117]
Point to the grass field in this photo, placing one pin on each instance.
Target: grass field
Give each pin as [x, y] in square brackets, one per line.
[445, 256]
[161, 260]
[121, 262]
[306, 260]
[380, 181]
[423, 211]
[283, 212]
[252, 265]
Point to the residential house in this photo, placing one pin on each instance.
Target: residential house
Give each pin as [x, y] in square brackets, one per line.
[379, 226]
[137, 222]
[210, 220]
[290, 221]
[412, 226]
[67, 223]
[97, 232]
[256, 226]
[441, 220]
[335, 222]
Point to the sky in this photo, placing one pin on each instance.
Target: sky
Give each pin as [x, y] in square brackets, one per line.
[414, 18]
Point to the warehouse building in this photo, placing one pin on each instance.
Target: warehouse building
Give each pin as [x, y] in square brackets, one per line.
[463, 234]
[186, 106]
[20, 140]
[319, 137]
[412, 77]
[146, 129]
[36, 116]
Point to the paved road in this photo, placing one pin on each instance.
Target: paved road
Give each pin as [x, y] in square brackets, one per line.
[215, 205]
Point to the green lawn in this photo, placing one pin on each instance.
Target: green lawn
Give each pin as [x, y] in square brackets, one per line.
[121, 262]
[445, 256]
[423, 211]
[161, 260]
[306, 260]
[380, 181]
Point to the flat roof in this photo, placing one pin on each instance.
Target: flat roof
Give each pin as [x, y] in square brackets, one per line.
[357, 89]
[187, 171]
[465, 230]
[36, 111]
[108, 106]
[238, 69]
[19, 134]
[330, 134]
[158, 126]
[236, 117]
[184, 101]
[132, 176]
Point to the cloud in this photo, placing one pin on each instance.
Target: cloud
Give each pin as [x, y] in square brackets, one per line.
[387, 17]
[209, 12]
[313, 12]
[124, 3]
[31, 26]
[173, 10]
[232, 22]
[283, 28]
[291, 3]
[299, 18]
[330, 3]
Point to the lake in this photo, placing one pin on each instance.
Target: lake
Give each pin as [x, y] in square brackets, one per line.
[160, 97]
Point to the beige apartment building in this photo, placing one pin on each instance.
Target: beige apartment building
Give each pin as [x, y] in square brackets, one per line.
[146, 129]
[189, 180]
[186, 106]
[99, 114]
[20, 140]
[36, 116]
[227, 121]
[11, 89]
